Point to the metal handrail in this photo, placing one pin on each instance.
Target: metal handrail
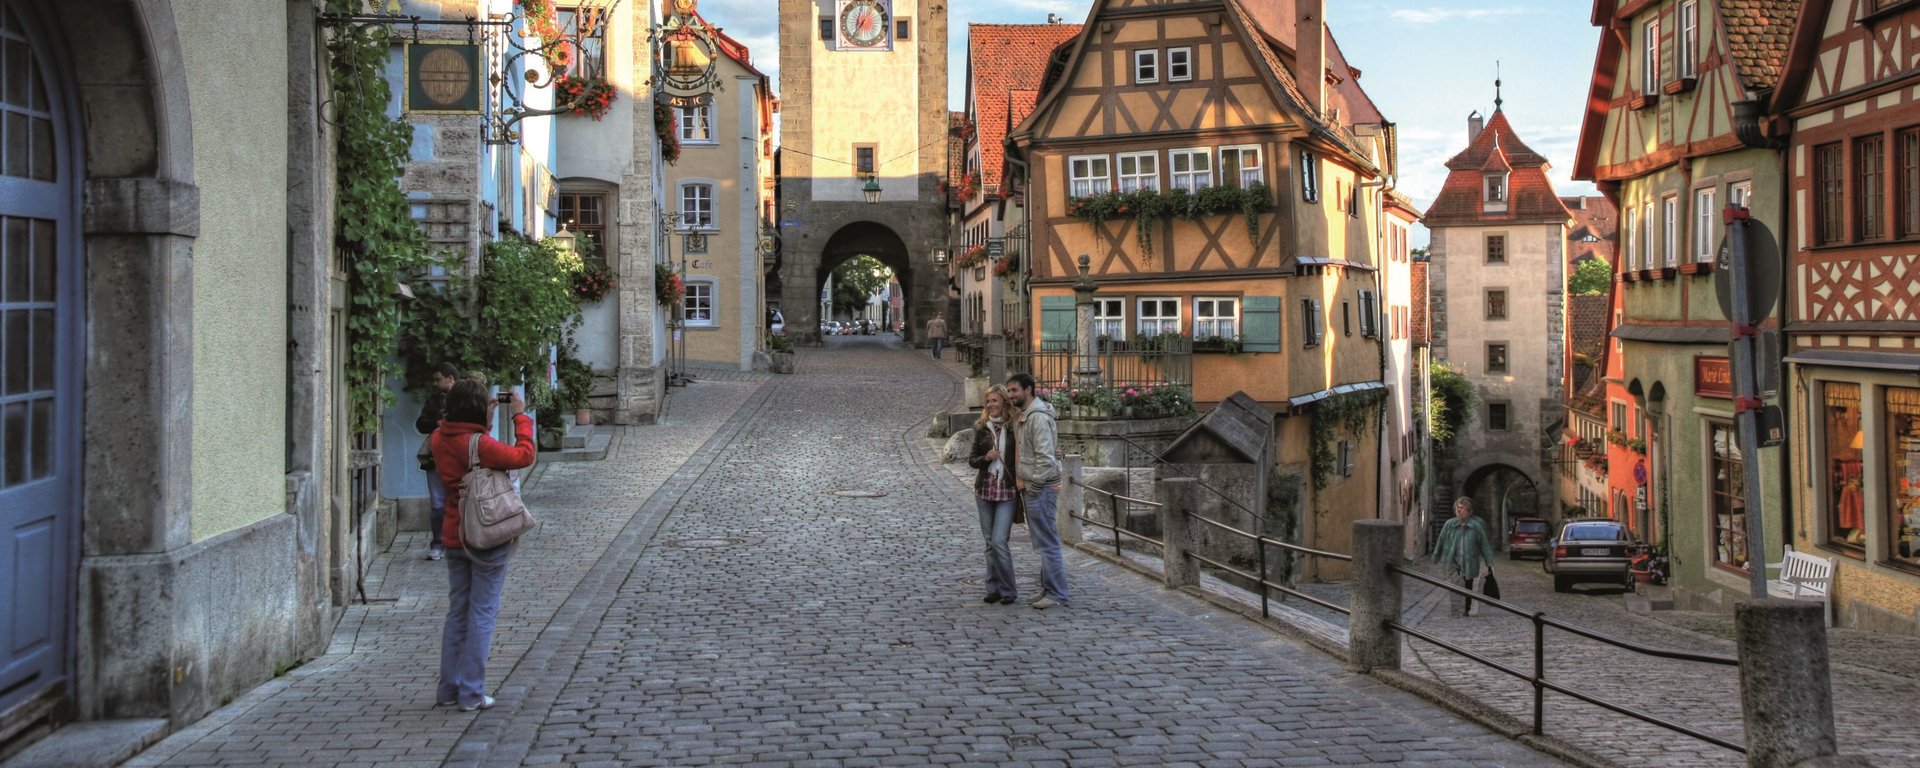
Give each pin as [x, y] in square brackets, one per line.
[1114, 524]
[1111, 494]
[1260, 545]
[1161, 459]
[1539, 679]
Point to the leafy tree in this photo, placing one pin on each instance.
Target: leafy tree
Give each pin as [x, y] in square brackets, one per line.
[858, 278]
[1420, 253]
[1590, 276]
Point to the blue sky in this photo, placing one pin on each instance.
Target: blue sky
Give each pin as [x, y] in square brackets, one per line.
[1426, 63]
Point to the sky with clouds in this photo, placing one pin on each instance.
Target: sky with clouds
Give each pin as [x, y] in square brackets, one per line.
[1426, 63]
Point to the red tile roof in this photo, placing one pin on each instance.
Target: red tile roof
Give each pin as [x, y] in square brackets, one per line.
[956, 147]
[1530, 196]
[1759, 33]
[1002, 59]
[1587, 320]
[1592, 215]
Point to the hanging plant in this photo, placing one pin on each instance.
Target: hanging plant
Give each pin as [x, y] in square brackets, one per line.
[664, 127]
[1006, 265]
[668, 290]
[577, 93]
[593, 282]
[1350, 412]
[973, 255]
[591, 98]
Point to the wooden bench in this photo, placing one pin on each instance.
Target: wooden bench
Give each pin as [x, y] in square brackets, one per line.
[1804, 577]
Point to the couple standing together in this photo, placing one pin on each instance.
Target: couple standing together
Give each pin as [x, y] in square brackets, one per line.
[1016, 455]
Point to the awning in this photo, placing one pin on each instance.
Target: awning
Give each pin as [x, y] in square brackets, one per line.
[1339, 390]
[1845, 358]
[1324, 261]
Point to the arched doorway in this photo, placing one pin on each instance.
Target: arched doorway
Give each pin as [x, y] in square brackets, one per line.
[41, 348]
[1501, 493]
[866, 238]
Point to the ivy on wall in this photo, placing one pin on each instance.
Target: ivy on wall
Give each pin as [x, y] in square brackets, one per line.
[372, 225]
[1350, 412]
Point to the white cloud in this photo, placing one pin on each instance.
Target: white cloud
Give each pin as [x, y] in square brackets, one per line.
[1437, 15]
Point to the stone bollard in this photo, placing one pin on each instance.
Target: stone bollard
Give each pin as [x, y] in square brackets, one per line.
[1786, 688]
[1072, 500]
[1176, 497]
[1376, 597]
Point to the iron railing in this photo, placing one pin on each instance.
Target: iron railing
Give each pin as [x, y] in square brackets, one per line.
[1114, 524]
[1169, 362]
[1538, 678]
[1260, 544]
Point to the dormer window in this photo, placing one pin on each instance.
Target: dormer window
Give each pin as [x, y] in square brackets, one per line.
[1496, 188]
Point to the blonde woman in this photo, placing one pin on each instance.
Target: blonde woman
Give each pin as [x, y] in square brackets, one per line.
[994, 456]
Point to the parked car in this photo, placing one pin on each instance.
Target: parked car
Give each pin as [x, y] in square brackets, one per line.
[1528, 536]
[1592, 551]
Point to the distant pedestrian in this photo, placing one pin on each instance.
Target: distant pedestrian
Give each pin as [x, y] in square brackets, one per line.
[995, 454]
[431, 412]
[937, 334]
[1465, 551]
[475, 576]
[1037, 475]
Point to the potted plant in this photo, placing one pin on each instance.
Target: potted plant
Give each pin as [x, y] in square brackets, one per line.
[780, 348]
[576, 385]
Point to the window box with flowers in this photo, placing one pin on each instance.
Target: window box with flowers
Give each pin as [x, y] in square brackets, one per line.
[576, 92]
[1006, 265]
[974, 255]
[593, 282]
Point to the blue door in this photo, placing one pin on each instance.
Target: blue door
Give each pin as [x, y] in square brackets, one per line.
[39, 377]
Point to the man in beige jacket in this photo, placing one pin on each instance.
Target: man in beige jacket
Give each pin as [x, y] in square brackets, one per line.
[937, 334]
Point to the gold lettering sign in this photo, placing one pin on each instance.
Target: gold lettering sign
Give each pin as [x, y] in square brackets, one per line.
[1713, 377]
[443, 78]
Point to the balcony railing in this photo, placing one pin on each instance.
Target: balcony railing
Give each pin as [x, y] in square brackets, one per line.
[1122, 364]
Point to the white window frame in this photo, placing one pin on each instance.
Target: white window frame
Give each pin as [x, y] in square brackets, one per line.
[1245, 175]
[1139, 179]
[1110, 319]
[1082, 181]
[1185, 64]
[1632, 239]
[712, 290]
[1146, 65]
[704, 221]
[1208, 317]
[1646, 235]
[1670, 234]
[1159, 320]
[688, 120]
[1193, 179]
[1488, 188]
[1309, 176]
[1704, 219]
[1689, 42]
[1650, 57]
[1740, 193]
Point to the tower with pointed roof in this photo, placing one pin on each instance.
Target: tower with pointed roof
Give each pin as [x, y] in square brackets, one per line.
[1498, 269]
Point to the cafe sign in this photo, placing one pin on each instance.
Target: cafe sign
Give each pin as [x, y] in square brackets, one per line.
[443, 78]
[1712, 377]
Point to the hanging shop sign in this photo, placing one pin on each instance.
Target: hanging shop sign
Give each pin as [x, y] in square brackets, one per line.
[443, 78]
[1713, 377]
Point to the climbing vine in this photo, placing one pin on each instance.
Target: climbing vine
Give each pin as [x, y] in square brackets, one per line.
[1350, 413]
[372, 225]
[1451, 406]
[503, 321]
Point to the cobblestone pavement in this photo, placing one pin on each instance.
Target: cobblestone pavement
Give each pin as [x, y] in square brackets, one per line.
[736, 611]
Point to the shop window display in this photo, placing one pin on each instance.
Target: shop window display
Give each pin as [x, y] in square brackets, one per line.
[1729, 513]
[1903, 475]
[1846, 503]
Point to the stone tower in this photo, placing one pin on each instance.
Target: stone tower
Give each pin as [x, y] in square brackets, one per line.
[863, 90]
[1498, 303]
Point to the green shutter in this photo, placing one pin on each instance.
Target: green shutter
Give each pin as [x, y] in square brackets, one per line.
[1056, 322]
[1260, 324]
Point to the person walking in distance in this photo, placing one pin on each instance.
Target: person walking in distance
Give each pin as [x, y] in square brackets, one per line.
[475, 577]
[1037, 476]
[1465, 551]
[937, 334]
[995, 454]
[431, 412]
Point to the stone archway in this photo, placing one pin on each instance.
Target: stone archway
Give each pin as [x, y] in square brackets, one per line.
[902, 246]
[867, 238]
[1501, 492]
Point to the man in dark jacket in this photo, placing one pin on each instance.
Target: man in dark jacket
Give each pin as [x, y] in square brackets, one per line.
[431, 412]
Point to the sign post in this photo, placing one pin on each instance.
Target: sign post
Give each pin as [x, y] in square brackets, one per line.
[1750, 262]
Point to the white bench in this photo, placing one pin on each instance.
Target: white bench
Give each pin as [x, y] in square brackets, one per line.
[1804, 577]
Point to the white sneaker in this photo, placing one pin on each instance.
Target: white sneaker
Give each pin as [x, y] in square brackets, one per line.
[436, 553]
[486, 702]
[1045, 603]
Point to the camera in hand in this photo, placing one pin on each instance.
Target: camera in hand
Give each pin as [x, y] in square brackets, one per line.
[504, 398]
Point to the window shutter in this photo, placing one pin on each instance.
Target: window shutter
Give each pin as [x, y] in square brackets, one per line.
[1260, 324]
[1319, 311]
[1366, 314]
[1056, 322]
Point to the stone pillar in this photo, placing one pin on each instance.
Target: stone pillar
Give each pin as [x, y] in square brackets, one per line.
[1072, 500]
[1376, 596]
[1176, 497]
[1786, 689]
[1086, 346]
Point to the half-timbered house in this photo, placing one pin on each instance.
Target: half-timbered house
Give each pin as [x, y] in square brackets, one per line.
[1668, 137]
[1852, 99]
[1224, 173]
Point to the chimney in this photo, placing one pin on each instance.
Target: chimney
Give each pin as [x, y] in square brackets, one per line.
[1474, 126]
[1310, 52]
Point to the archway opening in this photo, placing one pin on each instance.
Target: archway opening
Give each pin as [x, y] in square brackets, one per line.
[859, 259]
[1501, 494]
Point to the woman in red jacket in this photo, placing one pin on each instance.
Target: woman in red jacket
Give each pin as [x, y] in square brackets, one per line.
[475, 576]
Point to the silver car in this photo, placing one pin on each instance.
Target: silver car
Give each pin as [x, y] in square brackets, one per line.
[1592, 551]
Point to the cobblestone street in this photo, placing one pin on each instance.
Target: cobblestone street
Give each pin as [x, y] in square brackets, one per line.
[702, 597]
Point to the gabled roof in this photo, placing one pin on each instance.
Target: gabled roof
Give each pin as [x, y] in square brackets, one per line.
[1592, 215]
[956, 147]
[1530, 196]
[1759, 32]
[1002, 59]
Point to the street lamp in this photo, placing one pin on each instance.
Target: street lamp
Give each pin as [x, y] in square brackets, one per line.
[563, 239]
[872, 189]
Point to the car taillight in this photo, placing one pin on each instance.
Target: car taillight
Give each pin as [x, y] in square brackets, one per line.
[1559, 551]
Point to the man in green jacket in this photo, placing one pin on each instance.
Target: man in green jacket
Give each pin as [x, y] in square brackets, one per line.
[1465, 551]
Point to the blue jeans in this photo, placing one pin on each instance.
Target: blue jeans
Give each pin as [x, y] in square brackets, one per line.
[475, 579]
[437, 498]
[1046, 541]
[996, 523]
[937, 344]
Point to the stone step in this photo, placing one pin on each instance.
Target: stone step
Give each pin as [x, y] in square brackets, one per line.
[96, 743]
[577, 436]
[593, 446]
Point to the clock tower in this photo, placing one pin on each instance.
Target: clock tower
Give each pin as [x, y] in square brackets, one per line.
[863, 104]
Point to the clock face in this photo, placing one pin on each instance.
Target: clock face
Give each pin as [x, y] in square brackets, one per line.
[864, 24]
